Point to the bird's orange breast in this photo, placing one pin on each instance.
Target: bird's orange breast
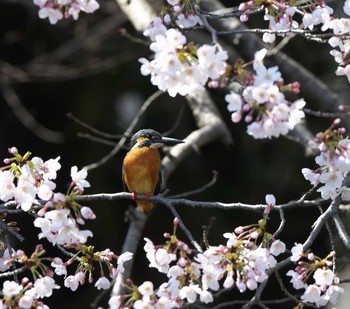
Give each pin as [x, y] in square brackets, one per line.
[141, 170]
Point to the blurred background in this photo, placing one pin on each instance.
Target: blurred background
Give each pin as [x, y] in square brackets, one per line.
[89, 68]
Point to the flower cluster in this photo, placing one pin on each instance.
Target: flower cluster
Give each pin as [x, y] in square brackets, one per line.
[323, 287]
[334, 164]
[27, 294]
[180, 67]
[28, 183]
[281, 18]
[242, 262]
[26, 180]
[341, 42]
[263, 103]
[174, 14]
[56, 10]
[87, 258]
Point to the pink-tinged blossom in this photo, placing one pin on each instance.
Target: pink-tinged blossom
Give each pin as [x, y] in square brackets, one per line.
[190, 292]
[311, 176]
[124, 257]
[78, 178]
[232, 239]
[71, 283]
[210, 278]
[115, 302]
[234, 101]
[144, 303]
[25, 302]
[332, 293]
[60, 268]
[102, 283]
[206, 297]
[297, 252]
[52, 14]
[296, 280]
[159, 258]
[7, 186]
[164, 303]
[312, 294]
[44, 286]
[277, 247]
[146, 288]
[45, 191]
[11, 288]
[323, 276]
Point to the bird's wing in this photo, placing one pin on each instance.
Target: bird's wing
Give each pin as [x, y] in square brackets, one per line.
[124, 184]
[159, 182]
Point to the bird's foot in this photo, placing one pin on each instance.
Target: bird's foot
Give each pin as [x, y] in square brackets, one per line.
[134, 195]
[148, 195]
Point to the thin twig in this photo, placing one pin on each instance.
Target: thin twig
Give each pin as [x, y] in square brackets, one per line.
[159, 199]
[13, 273]
[343, 234]
[128, 132]
[331, 237]
[22, 114]
[13, 265]
[199, 190]
[281, 226]
[185, 229]
[91, 128]
[97, 139]
[326, 114]
[177, 122]
[11, 230]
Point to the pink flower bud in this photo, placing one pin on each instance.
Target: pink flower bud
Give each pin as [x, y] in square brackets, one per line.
[311, 256]
[24, 281]
[182, 262]
[177, 8]
[341, 107]
[80, 220]
[290, 11]
[239, 230]
[248, 118]
[176, 222]
[213, 84]
[336, 121]
[13, 150]
[19, 253]
[244, 18]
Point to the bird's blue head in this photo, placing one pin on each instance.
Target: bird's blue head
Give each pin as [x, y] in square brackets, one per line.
[153, 139]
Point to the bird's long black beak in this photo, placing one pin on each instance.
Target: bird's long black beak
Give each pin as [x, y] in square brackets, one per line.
[167, 141]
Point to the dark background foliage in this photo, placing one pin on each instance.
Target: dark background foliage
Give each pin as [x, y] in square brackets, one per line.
[89, 68]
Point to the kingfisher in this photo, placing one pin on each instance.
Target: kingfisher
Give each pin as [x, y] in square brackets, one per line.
[142, 168]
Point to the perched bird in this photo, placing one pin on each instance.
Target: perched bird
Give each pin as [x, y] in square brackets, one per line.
[141, 166]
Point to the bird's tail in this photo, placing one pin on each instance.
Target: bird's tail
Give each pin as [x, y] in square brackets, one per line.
[146, 207]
